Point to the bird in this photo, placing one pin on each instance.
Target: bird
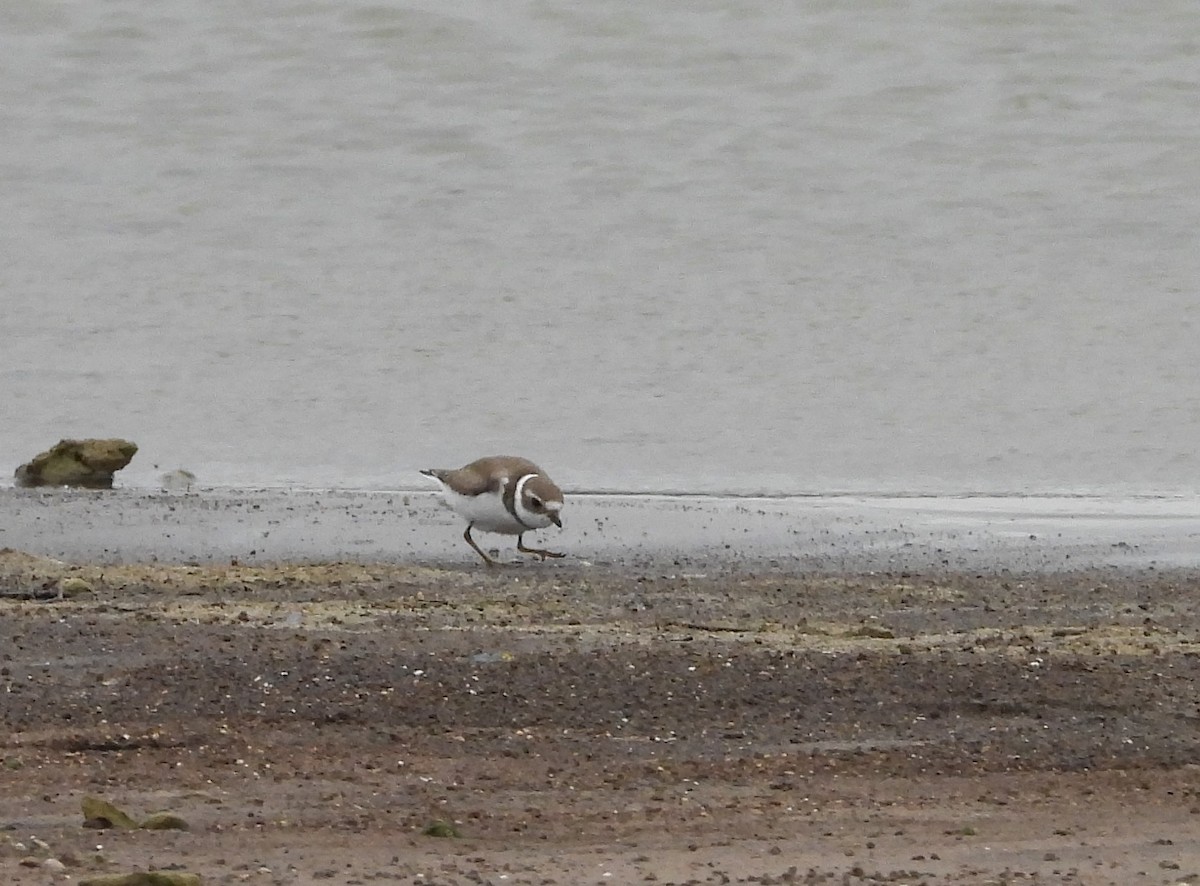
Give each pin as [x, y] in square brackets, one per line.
[505, 494]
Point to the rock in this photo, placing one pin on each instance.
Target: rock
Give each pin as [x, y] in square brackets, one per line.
[87, 463]
[164, 821]
[144, 878]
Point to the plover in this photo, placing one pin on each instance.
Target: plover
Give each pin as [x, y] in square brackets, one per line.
[503, 494]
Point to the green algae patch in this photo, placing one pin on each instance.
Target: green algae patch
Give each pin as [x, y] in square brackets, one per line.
[441, 829]
[100, 813]
[73, 586]
[25, 576]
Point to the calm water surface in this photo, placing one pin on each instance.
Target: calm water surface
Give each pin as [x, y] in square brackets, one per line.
[717, 246]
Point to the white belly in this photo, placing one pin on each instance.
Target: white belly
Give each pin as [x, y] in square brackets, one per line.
[486, 512]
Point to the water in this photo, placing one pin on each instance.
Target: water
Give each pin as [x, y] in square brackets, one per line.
[931, 247]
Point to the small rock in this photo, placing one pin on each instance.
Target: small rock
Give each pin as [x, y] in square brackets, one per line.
[88, 463]
[53, 864]
[872, 632]
[178, 480]
[164, 821]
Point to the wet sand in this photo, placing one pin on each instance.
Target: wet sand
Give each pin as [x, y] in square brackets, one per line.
[804, 534]
[770, 712]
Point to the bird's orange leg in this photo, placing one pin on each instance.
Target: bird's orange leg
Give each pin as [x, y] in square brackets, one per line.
[486, 559]
[537, 552]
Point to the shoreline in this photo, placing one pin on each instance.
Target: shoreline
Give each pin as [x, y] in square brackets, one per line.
[800, 535]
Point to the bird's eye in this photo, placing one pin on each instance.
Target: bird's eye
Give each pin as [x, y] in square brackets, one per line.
[535, 503]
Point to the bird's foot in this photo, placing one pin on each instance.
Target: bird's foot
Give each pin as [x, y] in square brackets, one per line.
[538, 552]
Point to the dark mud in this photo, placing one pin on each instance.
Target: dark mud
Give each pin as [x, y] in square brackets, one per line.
[577, 725]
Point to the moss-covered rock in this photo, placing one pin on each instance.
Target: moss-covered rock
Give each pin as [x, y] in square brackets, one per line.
[88, 463]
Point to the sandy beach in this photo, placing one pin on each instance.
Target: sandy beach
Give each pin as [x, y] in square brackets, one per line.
[846, 693]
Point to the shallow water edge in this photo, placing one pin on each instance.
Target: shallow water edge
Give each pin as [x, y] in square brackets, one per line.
[851, 534]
